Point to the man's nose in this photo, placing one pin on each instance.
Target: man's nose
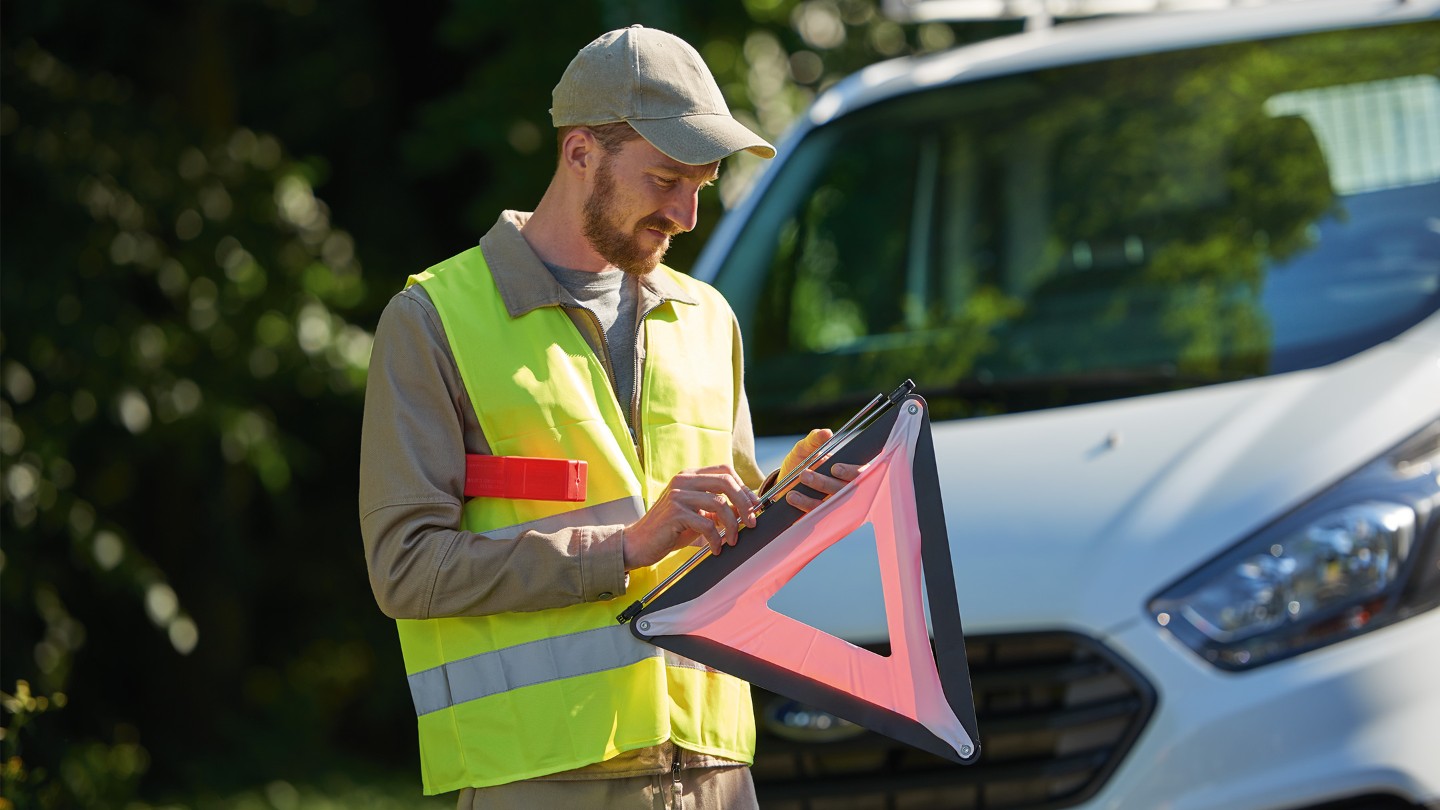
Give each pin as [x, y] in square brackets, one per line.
[684, 208]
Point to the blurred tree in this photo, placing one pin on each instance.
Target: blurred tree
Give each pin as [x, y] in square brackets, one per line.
[173, 342]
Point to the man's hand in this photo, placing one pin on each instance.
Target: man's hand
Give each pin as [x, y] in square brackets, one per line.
[696, 503]
[813, 441]
[840, 474]
[827, 485]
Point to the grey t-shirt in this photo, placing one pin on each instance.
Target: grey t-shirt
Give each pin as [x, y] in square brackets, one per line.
[611, 295]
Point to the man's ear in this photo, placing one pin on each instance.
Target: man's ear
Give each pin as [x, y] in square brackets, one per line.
[578, 152]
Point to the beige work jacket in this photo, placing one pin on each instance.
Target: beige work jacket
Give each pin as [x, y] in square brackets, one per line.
[418, 425]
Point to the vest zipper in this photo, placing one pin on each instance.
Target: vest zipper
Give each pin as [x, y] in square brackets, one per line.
[635, 432]
[635, 389]
[610, 372]
[676, 788]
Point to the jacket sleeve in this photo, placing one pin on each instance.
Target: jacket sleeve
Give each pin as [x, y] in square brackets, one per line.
[418, 426]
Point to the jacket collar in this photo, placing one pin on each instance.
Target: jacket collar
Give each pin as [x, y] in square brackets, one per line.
[525, 284]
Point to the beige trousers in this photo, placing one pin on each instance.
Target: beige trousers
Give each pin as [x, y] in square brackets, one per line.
[698, 789]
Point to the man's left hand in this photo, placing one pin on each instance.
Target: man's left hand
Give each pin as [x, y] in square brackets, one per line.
[840, 474]
[827, 485]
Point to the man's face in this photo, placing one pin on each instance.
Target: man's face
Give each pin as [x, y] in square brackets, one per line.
[641, 198]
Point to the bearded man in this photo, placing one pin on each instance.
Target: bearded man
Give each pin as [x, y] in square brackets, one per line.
[561, 338]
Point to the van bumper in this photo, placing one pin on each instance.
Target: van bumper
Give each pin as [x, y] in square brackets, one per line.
[1355, 719]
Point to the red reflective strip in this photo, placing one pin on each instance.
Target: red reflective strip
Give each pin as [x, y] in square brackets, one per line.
[524, 478]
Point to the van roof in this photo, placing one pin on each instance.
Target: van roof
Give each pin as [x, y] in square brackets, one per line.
[1104, 38]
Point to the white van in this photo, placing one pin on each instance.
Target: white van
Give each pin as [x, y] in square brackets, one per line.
[1170, 286]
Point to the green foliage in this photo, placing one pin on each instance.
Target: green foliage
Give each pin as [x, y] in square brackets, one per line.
[21, 707]
[172, 299]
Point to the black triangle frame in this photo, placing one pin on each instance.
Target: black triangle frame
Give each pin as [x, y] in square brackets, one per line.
[948, 642]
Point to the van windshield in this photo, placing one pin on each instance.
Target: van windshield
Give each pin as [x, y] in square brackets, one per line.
[1099, 231]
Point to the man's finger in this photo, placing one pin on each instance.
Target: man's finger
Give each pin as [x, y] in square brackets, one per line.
[701, 525]
[820, 482]
[741, 497]
[713, 509]
[711, 535]
[727, 515]
[804, 448]
[801, 501]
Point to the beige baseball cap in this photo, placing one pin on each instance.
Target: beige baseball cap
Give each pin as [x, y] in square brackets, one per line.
[661, 86]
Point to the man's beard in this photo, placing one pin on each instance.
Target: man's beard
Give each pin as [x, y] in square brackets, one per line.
[614, 245]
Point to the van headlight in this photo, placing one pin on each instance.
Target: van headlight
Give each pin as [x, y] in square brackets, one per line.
[1362, 555]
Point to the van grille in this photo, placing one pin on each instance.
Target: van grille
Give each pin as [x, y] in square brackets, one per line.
[1057, 713]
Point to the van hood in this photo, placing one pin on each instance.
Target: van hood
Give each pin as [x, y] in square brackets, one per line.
[1073, 518]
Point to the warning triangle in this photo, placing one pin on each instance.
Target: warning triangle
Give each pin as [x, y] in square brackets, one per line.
[721, 613]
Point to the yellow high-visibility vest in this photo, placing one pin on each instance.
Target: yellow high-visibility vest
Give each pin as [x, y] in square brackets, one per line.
[516, 695]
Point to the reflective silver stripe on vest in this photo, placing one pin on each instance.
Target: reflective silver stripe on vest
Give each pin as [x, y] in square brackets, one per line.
[622, 510]
[540, 661]
[674, 659]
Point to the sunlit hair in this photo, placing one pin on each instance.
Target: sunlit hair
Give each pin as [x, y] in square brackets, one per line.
[610, 136]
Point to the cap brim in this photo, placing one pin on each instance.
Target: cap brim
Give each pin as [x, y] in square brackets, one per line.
[701, 138]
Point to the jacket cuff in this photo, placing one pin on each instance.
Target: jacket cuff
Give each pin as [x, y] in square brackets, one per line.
[770, 481]
[602, 574]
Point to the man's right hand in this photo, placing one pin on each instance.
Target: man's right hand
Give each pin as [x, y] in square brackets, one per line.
[696, 504]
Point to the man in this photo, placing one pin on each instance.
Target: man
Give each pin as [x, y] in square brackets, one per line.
[561, 336]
